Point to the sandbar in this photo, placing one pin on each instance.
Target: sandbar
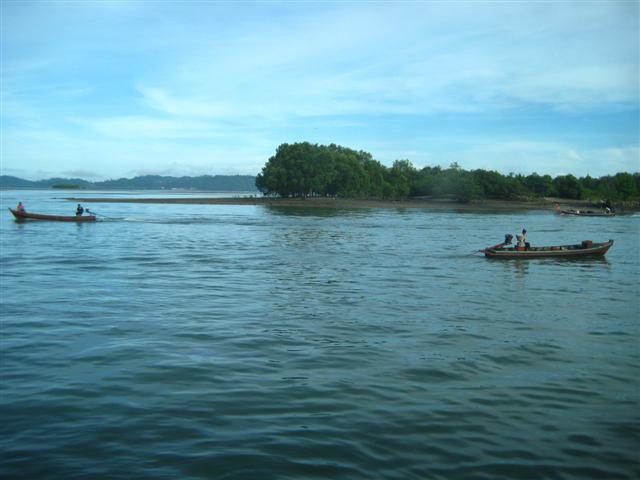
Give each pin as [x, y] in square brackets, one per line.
[354, 203]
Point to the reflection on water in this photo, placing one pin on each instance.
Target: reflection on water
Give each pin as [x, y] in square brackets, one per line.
[521, 267]
[312, 211]
[582, 264]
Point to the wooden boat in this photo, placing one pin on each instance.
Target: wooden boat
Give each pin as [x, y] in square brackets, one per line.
[584, 249]
[58, 218]
[586, 213]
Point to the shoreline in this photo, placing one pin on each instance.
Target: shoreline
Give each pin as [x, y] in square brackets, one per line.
[355, 203]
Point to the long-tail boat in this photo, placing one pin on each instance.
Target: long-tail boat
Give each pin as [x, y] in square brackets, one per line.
[583, 249]
[585, 213]
[22, 215]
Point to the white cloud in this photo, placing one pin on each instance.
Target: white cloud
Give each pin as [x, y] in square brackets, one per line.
[417, 58]
[221, 85]
[84, 174]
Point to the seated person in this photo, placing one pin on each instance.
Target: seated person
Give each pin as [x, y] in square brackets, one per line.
[521, 239]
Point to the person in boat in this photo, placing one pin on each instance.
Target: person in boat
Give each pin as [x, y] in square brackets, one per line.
[608, 207]
[20, 207]
[522, 240]
[79, 210]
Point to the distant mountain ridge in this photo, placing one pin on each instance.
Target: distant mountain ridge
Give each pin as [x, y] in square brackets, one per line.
[227, 183]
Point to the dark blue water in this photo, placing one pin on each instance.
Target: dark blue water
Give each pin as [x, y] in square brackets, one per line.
[250, 342]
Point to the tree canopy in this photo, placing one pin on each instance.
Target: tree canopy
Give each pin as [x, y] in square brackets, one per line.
[305, 169]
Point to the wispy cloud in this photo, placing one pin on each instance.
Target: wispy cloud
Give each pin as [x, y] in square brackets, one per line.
[164, 102]
[90, 175]
[347, 62]
[145, 128]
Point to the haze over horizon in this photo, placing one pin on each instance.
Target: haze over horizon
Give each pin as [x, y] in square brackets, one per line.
[100, 90]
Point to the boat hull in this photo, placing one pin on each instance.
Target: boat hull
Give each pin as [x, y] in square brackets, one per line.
[562, 251]
[55, 218]
[586, 214]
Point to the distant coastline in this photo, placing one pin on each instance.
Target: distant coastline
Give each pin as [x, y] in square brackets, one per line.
[212, 183]
[354, 203]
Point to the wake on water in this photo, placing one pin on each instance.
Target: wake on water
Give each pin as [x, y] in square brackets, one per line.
[171, 221]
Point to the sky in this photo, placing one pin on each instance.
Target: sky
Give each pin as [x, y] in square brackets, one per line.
[110, 89]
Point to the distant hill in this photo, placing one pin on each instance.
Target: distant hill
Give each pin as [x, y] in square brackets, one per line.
[7, 181]
[225, 183]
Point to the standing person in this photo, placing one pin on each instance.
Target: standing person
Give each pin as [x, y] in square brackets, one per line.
[79, 210]
[20, 207]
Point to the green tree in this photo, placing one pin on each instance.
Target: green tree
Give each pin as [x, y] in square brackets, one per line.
[625, 186]
[466, 188]
[305, 169]
[567, 186]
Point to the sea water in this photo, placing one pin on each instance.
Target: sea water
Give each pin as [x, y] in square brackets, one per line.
[255, 342]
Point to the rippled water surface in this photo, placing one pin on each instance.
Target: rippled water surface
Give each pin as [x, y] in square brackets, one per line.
[251, 342]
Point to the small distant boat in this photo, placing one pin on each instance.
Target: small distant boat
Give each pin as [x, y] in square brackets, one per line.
[584, 249]
[58, 218]
[586, 213]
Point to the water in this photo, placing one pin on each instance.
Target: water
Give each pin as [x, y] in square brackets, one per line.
[242, 342]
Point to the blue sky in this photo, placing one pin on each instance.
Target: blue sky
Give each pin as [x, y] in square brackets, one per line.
[105, 89]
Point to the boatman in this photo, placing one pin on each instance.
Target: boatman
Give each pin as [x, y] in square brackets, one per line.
[20, 207]
[79, 210]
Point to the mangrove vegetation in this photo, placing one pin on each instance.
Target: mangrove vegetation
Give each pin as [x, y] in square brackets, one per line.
[311, 170]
